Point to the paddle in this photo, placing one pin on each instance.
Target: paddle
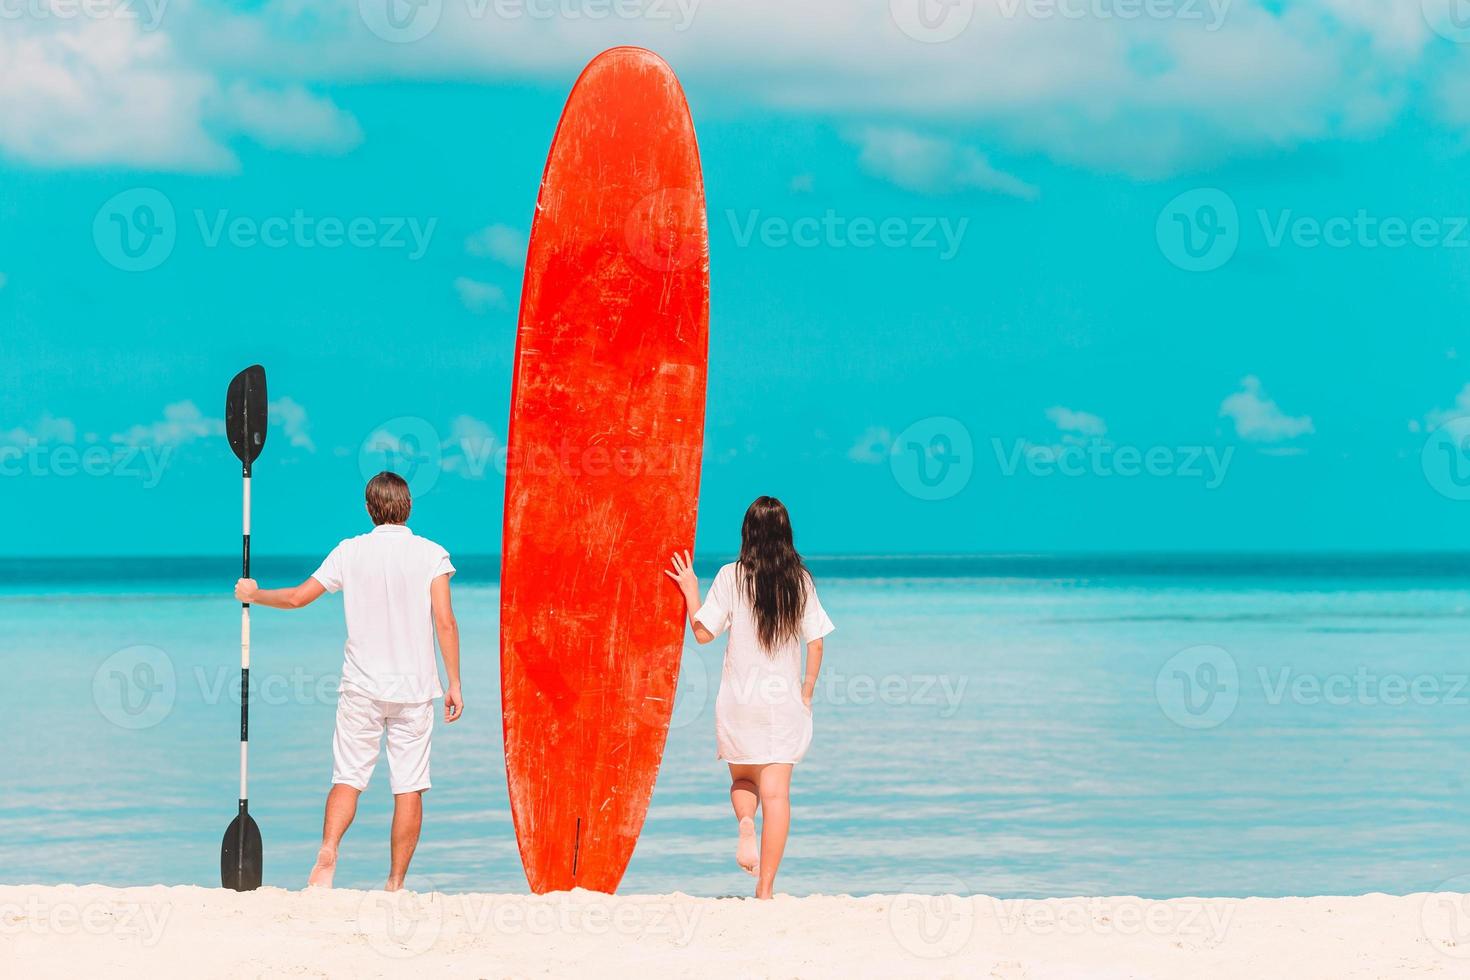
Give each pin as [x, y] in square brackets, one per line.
[245, 424]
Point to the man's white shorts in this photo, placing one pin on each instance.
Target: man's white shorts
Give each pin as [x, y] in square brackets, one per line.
[361, 722]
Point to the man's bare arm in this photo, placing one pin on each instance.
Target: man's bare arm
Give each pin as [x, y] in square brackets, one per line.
[446, 627]
[248, 590]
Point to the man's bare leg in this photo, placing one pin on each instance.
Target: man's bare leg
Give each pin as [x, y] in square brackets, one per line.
[408, 819]
[341, 808]
[744, 800]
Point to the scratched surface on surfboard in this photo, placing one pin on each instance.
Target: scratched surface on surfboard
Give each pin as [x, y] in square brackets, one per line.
[606, 432]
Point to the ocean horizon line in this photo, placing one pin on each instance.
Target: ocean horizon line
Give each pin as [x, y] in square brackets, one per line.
[1087, 554]
[36, 573]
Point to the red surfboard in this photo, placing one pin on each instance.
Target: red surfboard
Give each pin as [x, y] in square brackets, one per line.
[602, 477]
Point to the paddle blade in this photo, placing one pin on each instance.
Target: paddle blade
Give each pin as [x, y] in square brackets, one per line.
[246, 414]
[239, 857]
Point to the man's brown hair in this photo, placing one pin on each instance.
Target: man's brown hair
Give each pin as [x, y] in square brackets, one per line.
[388, 499]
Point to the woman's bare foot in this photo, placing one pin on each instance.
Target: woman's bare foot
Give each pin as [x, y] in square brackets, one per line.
[325, 868]
[747, 852]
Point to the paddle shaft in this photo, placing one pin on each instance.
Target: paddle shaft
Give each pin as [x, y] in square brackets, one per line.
[244, 670]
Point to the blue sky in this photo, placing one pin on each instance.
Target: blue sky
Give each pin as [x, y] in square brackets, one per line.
[1016, 276]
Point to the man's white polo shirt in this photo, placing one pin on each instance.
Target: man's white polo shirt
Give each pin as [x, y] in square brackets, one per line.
[384, 579]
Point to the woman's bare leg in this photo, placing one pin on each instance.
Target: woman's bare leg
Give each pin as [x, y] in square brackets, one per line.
[744, 797]
[774, 787]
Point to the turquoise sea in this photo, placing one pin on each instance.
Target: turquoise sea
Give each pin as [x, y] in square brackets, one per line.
[1020, 726]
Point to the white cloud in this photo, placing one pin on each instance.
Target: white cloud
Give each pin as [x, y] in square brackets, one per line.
[1458, 414]
[1399, 29]
[479, 297]
[1147, 95]
[46, 431]
[872, 447]
[1259, 419]
[750, 445]
[1450, 95]
[118, 90]
[932, 166]
[98, 91]
[182, 422]
[288, 414]
[472, 450]
[1074, 428]
[468, 430]
[1081, 423]
[499, 242]
[288, 119]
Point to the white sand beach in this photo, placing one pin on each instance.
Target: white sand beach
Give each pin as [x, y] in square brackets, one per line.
[68, 931]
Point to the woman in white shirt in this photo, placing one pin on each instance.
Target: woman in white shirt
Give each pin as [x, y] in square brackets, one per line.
[763, 716]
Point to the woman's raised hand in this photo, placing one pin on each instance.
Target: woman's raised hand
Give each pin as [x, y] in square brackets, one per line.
[683, 575]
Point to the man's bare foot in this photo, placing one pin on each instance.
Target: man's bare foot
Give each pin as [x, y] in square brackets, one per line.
[325, 868]
[747, 852]
[393, 885]
[765, 894]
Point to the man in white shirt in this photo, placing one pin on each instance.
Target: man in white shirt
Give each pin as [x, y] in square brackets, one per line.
[395, 592]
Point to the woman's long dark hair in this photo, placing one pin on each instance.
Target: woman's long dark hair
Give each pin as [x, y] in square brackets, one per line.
[772, 575]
